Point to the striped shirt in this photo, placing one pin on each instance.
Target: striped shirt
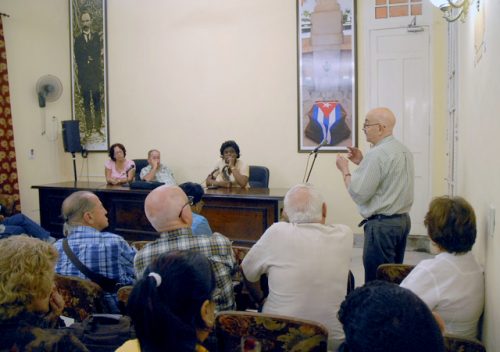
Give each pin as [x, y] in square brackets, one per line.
[102, 252]
[383, 182]
[216, 247]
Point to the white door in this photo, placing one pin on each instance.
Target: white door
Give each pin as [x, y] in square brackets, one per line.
[399, 78]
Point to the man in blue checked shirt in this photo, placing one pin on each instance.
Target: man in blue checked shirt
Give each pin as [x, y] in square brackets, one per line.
[102, 252]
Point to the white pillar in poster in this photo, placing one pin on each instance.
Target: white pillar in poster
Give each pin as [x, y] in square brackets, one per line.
[326, 41]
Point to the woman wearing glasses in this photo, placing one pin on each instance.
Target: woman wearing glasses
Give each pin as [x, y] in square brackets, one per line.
[195, 192]
[230, 171]
[119, 170]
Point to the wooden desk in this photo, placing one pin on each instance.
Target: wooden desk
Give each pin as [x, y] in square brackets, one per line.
[240, 214]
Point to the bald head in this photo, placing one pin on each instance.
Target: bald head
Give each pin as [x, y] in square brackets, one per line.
[379, 123]
[304, 204]
[165, 208]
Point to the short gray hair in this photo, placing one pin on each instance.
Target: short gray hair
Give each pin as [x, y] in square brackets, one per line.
[74, 206]
[304, 204]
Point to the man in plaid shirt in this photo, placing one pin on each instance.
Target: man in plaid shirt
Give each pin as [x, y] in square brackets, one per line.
[168, 210]
[102, 252]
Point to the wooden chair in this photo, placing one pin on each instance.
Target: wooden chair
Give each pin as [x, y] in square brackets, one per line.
[139, 244]
[274, 332]
[82, 297]
[123, 294]
[394, 273]
[459, 344]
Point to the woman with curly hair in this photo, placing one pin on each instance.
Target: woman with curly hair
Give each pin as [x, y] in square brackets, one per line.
[30, 305]
[230, 171]
[171, 306]
[452, 283]
[119, 170]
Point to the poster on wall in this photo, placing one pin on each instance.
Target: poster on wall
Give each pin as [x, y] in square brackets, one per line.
[326, 31]
[88, 72]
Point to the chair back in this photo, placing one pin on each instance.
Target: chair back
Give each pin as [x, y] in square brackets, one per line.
[259, 177]
[274, 332]
[122, 295]
[459, 344]
[81, 297]
[139, 164]
[139, 244]
[394, 273]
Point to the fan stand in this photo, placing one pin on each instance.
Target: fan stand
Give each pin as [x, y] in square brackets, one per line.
[74, 166]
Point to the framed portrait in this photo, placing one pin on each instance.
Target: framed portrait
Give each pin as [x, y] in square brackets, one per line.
[89, 72]
[327, 82]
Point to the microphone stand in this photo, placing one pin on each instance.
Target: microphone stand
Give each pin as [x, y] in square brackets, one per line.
[312, 165]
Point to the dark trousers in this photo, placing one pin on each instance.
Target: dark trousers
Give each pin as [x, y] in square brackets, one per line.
[96, 100]
[385, 242]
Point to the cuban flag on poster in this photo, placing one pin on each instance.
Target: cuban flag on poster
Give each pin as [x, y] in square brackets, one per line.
[327, 114]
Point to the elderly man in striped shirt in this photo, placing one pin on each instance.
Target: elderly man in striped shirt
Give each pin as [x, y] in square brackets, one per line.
[382, 188]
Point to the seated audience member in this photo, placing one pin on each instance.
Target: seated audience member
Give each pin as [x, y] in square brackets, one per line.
[119, 170]
[30, 305]
[179, 316]
[167, 209]
[383, 317]
[230, 171]
[18, 224]
[200, 223]
[452, 283]
[156, 171]
[102, 252]
[306, 260]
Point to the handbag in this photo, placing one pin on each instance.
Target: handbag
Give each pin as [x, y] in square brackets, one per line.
[107, 284]
[104, 332]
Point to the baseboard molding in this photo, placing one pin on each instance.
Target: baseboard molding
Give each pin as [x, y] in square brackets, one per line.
[416, 243]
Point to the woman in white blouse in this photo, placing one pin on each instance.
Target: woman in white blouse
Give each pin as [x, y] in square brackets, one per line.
[452, 283]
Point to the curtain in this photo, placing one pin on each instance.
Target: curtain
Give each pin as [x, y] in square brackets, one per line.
[8, 169]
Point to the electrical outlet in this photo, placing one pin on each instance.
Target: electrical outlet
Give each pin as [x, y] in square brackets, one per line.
[31, 154]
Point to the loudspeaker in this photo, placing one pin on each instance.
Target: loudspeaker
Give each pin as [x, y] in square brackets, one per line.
[71, 136]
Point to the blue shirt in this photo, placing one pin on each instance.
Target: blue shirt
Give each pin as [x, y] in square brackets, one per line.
[200, 225]
[102, 252]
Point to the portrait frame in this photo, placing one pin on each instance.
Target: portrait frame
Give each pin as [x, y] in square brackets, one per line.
[89, 81]
[327, 75]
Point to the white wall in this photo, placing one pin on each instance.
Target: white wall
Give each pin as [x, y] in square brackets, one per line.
[479, 171]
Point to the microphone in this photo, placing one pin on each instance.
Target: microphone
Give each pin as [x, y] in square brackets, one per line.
[129, 168]
[323, 143]
[213, 172]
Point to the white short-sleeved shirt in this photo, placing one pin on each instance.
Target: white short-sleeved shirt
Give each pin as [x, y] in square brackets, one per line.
[307, 267]
[453, 286]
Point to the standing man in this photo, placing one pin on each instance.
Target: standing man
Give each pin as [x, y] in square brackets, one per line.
[156, 171]
[382, 188]
[88, 49]
[306, 261]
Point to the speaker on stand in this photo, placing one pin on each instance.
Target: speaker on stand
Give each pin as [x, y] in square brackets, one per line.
[71, 140]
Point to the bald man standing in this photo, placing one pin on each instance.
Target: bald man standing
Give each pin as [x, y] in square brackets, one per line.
[382, 188]
[168, 210]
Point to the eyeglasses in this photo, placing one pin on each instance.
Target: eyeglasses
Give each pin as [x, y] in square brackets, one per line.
[365, 125]
[189, 202]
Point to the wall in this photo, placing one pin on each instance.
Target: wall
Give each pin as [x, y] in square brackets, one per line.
[479, 125]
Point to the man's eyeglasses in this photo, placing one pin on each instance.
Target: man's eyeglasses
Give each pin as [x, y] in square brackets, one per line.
[189, 202]
[365, 125]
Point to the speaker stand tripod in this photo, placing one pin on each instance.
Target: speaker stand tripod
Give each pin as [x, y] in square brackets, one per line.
[74, 165]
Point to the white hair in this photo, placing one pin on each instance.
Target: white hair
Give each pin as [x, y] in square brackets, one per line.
[304, 204]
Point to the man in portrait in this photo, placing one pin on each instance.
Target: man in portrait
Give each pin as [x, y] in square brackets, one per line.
[88, 47]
